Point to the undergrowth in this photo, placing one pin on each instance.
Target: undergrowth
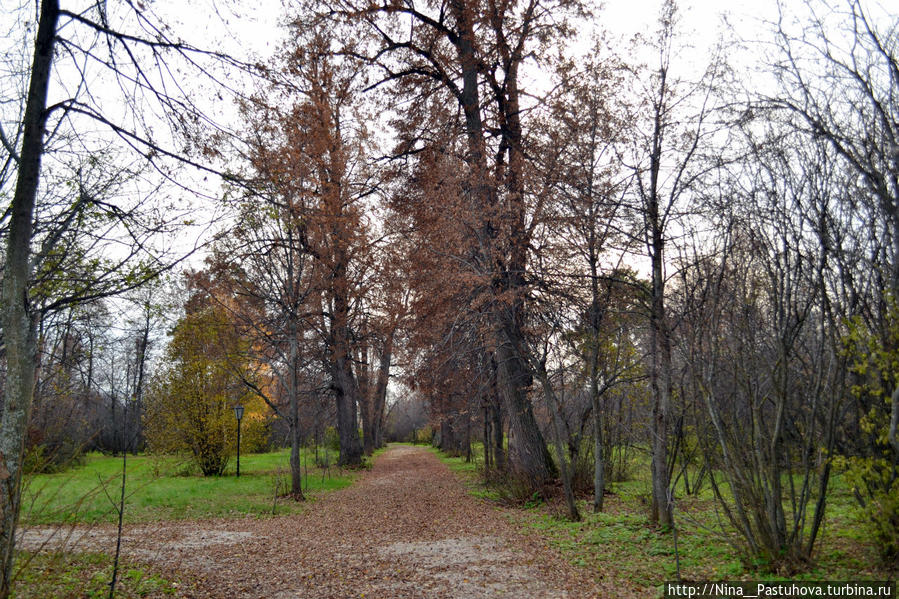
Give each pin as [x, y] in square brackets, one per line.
[620, 545]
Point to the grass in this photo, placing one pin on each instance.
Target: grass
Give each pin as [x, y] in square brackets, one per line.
[167, 489]
[620, 545]
[85, 575]
[157, 489]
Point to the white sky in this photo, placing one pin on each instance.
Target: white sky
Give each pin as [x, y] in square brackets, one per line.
[245, 29]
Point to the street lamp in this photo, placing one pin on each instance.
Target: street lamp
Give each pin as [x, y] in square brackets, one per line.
[238, 413]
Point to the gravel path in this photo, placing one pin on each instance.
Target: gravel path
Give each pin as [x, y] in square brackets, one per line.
[407, 528]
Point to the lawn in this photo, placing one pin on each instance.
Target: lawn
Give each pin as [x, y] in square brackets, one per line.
[167, 488]
[157, 488]
[621, 546]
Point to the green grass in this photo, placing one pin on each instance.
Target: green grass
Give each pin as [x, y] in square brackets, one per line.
[168, 489]
[85, 575]
[620, 545]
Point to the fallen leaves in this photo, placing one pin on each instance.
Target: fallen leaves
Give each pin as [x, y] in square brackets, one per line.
[406, 529]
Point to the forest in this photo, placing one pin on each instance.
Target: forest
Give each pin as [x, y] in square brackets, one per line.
[498, 227]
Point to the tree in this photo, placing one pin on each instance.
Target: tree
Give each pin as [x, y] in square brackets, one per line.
[190, 410]
[79, 34]
[668, 146]
[580, 167]
[261, 271]
[312, 170]
[471, 55]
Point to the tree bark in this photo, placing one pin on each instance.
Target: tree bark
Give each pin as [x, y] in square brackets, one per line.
[496, 422]
[528, 455]
[363, 380]
[343, 382]
[296, 471]
[345, 392]
[18, 319]
[660, 382]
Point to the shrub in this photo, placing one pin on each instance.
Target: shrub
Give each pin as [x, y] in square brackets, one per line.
[423, 436]
[189, 407]
[46, 459]
[874, 357]
[332, 439]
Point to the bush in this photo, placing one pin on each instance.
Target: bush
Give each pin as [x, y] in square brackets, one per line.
[44, 459]
[189, 407]
[423, 436]
[883, 524]
[874, 357]
[255, 428]
[332, 439]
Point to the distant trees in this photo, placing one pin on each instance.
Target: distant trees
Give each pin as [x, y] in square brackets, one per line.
[471, 55]
[68, 407]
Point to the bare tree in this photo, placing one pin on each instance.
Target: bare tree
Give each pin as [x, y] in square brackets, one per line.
[669, 148]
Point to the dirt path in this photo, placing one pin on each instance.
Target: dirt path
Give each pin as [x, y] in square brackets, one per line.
[407, 528]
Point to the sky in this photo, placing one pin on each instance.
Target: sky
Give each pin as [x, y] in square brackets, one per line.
[252, 30]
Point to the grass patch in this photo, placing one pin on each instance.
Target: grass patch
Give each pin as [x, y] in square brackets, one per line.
[167, 489]
[85, 575]
[620, 546]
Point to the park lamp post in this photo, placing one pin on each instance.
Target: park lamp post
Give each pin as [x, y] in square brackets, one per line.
[238, 413]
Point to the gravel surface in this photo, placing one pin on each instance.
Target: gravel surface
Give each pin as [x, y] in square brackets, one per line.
[407, 528]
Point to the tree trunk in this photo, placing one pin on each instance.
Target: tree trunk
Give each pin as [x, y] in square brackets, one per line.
[347, 425]
[496, 416]
[343, 381]
[293, 392]
[18, 321]
[380, 393]
[559, 444]
[486, 439]
[599, 466]
[363, 380]
[660, 358]
[528, 455]
[142, 346]
[660, 382]
[467, 436]
[365, 412]
[447, 436]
